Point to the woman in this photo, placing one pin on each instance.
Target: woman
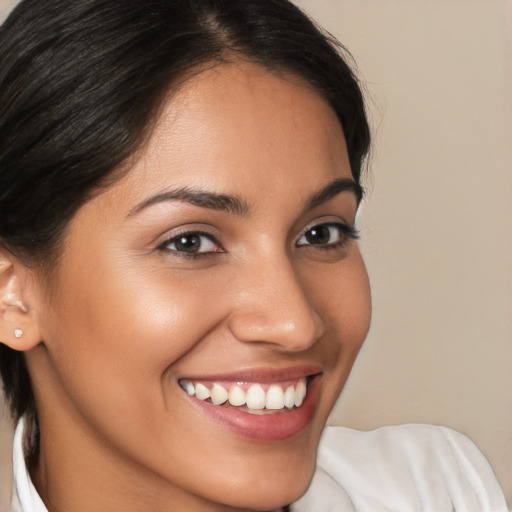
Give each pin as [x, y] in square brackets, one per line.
[182, 293]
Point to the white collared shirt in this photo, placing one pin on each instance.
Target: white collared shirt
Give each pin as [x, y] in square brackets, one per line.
[405, 468]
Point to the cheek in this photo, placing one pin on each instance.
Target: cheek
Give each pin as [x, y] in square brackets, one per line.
[355, 301]
[341, 295]
[112, 339]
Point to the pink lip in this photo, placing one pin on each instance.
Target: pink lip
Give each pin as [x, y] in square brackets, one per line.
[268, 427]
[261, 375]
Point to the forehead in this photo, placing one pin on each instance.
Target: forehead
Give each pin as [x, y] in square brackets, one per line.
[240, 126]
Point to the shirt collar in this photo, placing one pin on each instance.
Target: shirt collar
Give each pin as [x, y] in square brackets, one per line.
[24, 494]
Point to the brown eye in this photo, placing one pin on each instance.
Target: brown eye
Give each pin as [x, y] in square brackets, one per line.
[188, 243]
[328, 235]
[191, 243]
[320, 235]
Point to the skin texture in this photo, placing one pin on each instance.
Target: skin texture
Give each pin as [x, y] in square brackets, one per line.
[130, 316]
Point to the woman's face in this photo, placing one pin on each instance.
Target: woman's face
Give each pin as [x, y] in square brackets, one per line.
[223, 263]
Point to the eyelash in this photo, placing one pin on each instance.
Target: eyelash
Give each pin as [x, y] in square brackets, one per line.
[190, 255]
[346, 234]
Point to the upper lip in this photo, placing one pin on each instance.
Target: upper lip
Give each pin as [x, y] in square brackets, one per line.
[261, 374]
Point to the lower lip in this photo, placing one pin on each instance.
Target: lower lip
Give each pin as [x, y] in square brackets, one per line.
[266, 427]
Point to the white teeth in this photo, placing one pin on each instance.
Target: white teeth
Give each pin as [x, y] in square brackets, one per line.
[300, 393]
[289, 397]
[256, 398]
[275, 398]
[219, 394]
[236, 396]
[202, 392]
[189, 388]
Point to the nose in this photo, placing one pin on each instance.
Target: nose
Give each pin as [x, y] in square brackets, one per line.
[273, 306]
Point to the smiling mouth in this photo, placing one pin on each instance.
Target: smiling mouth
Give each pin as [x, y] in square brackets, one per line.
[251, 397]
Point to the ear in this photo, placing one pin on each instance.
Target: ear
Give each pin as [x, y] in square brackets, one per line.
[19, 329]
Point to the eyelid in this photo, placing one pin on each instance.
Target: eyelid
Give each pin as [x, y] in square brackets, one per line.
[164, 246]
[349, 232]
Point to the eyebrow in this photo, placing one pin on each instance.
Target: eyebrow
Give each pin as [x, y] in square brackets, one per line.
[210, 200]
[236, 205]
[333, 189]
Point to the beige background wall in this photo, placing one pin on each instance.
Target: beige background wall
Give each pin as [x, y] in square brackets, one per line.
[437, 229]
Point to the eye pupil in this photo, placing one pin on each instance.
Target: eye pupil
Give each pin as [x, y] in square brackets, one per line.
[188, 243]
[318, 235]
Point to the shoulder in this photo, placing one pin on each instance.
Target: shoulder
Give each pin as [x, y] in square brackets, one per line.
[401, 468]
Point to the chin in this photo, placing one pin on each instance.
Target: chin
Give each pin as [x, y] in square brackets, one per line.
[272, 491]
[270, 481]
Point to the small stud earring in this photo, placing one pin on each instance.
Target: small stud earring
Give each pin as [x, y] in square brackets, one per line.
[18, 333]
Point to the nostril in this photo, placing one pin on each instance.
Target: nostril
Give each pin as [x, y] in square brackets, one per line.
[277, 327]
